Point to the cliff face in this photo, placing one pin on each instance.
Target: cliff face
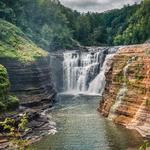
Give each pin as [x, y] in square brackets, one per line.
[28, 66]
[56, 64]
[126, 99]
[30, 82]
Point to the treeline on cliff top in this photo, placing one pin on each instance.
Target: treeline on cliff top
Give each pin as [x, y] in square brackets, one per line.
[52, 26]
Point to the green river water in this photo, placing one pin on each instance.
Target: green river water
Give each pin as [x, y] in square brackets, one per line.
[81, 127]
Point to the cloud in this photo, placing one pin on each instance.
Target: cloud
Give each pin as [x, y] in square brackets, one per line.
[96, 5]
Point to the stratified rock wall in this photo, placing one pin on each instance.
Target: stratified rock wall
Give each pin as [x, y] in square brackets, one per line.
[131, 108]
[30, 82]
[56, 65]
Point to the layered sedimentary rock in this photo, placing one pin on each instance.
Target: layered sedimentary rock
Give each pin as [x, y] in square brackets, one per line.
[28, 66]
[56, 65]
[126, 98]
[30, 82]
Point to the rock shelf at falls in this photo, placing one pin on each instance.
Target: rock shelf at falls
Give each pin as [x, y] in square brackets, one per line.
[84, 72]
[126, 96]
[120, 75]
[110, 73]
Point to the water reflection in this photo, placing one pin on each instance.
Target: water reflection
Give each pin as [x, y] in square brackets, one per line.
[81, 127]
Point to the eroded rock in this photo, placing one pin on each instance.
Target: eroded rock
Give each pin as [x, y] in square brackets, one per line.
[133, 110]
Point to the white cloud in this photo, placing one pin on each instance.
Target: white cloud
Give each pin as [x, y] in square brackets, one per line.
[96, 5]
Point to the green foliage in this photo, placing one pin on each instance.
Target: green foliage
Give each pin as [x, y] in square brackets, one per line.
[138, 27]
[43, 22]
[7, 102]
[139, 77]
[119, 78]
[15, 132]
[52, 26]
[12, 103]
[147, 51]
[145, 145]
[2, 107]
[138, 72]
[15, 44]
[6, 13]
[148, 102]
[4, 84]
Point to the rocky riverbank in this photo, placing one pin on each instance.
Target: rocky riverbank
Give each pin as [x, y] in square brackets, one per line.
[25, 78]
[38, 125]
[33, 86]
[30, 82]
[126, 98]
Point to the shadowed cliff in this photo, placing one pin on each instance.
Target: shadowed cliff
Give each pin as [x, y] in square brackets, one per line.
[28, 66]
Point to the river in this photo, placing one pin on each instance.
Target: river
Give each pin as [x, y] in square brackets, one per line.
[81, 127]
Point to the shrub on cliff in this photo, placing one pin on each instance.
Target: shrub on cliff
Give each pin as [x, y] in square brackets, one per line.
[12, 103]
[4, 84]
[15, 131]
[2, 107]
[7, 102]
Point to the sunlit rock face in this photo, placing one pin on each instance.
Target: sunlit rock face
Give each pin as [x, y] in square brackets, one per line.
[126, 98]
[31, 82]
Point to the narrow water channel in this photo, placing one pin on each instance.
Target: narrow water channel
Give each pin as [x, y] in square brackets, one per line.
[81, 127]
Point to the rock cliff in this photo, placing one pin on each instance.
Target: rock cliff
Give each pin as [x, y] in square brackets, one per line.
[30, 82]
[28, 66]
[126, 98]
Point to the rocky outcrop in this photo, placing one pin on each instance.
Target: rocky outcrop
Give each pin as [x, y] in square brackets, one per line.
[126, 98]
[38, 125]
[30, 82]
[56, 64]
[29, 73]
[28, 66]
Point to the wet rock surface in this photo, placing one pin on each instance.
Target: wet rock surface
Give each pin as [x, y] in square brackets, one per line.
[38, 126]
[31, 82]
[133, 110]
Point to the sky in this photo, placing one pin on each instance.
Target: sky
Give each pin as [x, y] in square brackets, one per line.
[96, 5]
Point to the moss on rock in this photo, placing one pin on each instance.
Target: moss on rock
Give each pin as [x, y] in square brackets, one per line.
[4, 83]
[7, 102]
[15, 44]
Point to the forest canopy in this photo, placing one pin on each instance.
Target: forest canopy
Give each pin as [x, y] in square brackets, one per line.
[52, 26]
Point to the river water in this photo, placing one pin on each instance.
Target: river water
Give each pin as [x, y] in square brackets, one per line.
[81, 127]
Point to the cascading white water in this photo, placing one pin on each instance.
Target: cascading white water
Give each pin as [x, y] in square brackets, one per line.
[122, 92]
[85, 71]
[98, 84]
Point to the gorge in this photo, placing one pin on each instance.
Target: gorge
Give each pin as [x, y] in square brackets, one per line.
[126, 96]
[78, 124]
[83, 78]
[71, 80]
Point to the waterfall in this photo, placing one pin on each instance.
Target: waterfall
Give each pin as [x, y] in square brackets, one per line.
[84, 72]
[98, 84]
[122, 92]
